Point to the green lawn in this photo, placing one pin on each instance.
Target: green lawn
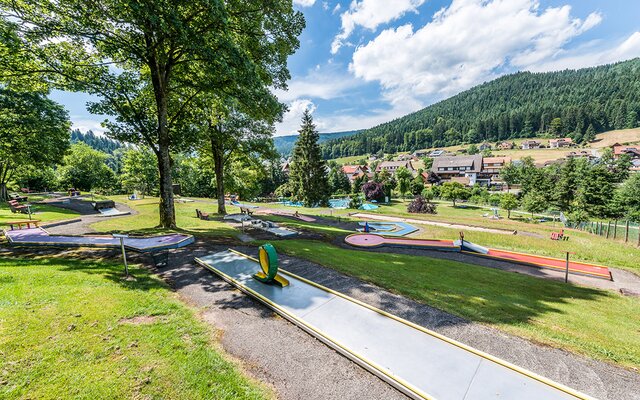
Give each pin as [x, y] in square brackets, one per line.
[42, 212]
[596, 323]
[74, 329]
[148, 218]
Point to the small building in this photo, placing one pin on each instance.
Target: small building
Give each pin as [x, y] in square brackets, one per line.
[437, 153]
[530, 144]
[484, 146]
[590, 155]
[354, 171]
[420, 153]
[286, 166]
[505, 146]
[392, 166]
[450, 167]
[620, 149]
[558, 143]
[406, 157]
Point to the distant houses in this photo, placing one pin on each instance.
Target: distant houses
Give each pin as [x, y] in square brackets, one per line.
[484, 146]
[506, 146]
[392, 166]
[463, 169]
[632, 151]
[354, 172]
[558, 143]
[530, 144]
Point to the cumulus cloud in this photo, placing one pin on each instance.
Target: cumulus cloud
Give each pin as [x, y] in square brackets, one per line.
[292, 118]
[304, 3]
[83, 124]
[469, 42]
[627, 49]
[370, 14]
[319, 84]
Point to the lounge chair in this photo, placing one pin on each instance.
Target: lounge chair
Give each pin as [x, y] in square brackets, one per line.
[202, 215]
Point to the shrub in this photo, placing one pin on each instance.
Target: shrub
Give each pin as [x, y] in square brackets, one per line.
[355, 202]
[373, 191]
[420, 205]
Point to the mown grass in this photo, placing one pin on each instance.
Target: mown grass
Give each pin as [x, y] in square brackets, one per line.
[67, 331]
[41, 212]
[147, 219]
[596, 323]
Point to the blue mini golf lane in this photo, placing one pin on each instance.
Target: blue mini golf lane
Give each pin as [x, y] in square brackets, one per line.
[390, 228]
[419, 362]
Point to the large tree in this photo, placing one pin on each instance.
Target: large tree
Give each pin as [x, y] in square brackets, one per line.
[34, 131]
[148, 60]
[308, 174]
[86, 169]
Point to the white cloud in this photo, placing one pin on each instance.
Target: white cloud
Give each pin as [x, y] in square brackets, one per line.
[304, 3]
[325, 5]
[84, 125]
[292, 118]
[628, 49]
[336, 8]
[467, 43]
[319, 84]
[370, 14]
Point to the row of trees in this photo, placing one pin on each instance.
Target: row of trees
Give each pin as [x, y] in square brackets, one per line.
[173, 76]
[567, 103]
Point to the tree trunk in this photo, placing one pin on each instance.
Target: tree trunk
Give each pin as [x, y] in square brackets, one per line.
[4, 195]
[218, 167]
[508, 214]
[167, 207]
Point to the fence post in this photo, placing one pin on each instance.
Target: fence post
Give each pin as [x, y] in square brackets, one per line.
[615, 228]
[638, 235]
[608, 228]
[626, 232]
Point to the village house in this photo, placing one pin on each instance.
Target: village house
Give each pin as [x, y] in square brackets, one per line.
[558, 143]
[437, 153]
[420, 153]
[632, 151]
[406, 157]
[463, 169]
[392, 166]
[354, 172]
[484, 146]
[285, 167]
[530, 144]
[590, 155]
[505, 146]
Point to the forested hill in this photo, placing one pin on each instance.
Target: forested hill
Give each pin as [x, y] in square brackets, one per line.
[284, 144]
[518, 105]
[97, 142]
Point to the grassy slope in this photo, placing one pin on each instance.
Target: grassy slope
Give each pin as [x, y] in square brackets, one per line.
[605, 139]
[596, 323]
[61, 336]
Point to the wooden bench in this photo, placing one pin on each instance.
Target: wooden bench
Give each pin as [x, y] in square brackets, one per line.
[18, 197]
[559, 235]
[23, 223]
[16, 207]
[246, 210]
[202, 215]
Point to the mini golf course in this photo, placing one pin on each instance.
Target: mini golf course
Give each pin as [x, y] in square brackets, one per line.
[387, 228]
[419, 362]
[40, 237]
[380, 240]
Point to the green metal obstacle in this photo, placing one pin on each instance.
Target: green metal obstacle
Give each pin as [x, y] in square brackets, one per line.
[269, 264]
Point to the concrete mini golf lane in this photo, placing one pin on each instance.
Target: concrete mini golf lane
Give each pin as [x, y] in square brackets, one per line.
[419, 362]
[40, 237]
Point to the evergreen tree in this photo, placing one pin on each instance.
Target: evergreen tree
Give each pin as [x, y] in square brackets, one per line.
[308, 174]
[596, 192]
[590, 134]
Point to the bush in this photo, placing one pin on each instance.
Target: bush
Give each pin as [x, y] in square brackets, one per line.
[373, 191]
[355, 202]
[420, 205]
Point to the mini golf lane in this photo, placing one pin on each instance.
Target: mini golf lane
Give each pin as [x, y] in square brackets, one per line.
[40, 237]
[371, 240]
[551, 263]
[419, 362]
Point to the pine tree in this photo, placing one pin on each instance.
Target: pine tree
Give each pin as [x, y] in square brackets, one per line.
[590, 134]
[308, 174]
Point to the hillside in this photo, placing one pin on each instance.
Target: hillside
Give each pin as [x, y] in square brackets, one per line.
[284, 144]
[513, 106]
[101, 143]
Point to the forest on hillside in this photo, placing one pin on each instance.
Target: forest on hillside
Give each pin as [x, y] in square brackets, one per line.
[284, 144]
[573, 103]
[101, 143]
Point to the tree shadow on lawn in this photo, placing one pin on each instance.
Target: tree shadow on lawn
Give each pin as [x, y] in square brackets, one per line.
[472, 292]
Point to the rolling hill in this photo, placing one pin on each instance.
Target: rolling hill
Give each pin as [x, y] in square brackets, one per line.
[284, 144]
[574, 103]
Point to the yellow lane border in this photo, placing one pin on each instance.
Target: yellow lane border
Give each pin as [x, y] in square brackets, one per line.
[525, 372]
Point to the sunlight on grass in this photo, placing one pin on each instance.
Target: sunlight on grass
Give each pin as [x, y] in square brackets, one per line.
[74, 329]
[597, 323]
[41, 212]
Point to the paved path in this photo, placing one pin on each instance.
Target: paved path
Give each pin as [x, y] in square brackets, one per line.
[300, 367]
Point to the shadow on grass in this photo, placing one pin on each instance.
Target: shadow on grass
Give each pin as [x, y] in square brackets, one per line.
[468, 291]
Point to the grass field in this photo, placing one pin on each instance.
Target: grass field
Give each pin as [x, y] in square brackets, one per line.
[74, 329]
[596, 323]
[147, 219]
[42, 212]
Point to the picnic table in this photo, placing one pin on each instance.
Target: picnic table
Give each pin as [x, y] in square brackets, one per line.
[23, 223]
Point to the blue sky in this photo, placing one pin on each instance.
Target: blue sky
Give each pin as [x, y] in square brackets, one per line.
[364, 62]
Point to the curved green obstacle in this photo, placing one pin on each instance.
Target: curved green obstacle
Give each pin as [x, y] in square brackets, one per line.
[269, 264]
